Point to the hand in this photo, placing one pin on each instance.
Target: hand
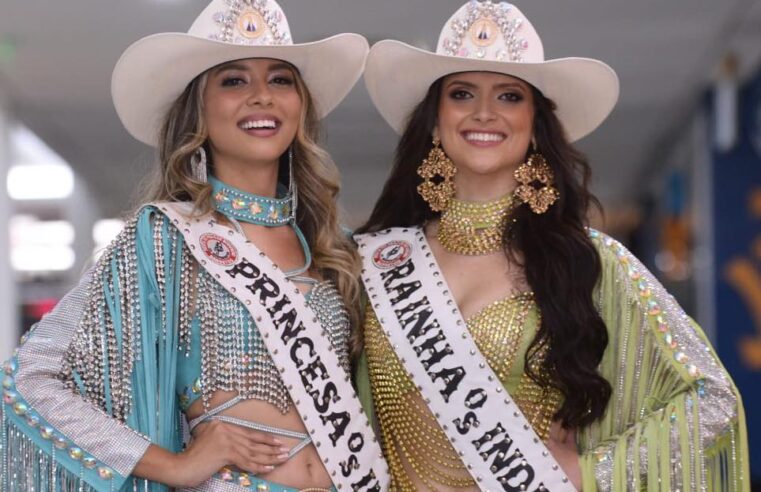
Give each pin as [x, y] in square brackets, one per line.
[214, 446]
[218, 444]
[562, 445]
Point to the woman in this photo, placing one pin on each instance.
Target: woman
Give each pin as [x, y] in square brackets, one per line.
[509, 347]
[208, 348]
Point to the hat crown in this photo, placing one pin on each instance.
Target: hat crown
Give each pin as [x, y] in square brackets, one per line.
[243, 22]
[485, 30]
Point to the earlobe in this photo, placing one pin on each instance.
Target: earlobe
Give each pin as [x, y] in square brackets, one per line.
[435, 132]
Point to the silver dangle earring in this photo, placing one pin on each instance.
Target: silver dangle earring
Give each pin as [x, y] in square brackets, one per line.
[292, 189]
[198, 165]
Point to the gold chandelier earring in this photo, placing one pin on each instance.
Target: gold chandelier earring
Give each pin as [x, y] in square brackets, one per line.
[437, 171]
[535, 178]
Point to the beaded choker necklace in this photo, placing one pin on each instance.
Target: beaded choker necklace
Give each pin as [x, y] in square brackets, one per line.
[471, 228]
[242, 206]
[251, 208]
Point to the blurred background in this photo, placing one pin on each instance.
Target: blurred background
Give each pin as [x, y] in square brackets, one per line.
[677, 165]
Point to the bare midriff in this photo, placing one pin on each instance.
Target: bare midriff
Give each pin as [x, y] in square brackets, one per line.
[303, 470]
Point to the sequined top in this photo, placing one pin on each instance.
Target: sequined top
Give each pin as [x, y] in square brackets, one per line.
[233, 357]
[414, 444]
[219, 346]
[674, 421]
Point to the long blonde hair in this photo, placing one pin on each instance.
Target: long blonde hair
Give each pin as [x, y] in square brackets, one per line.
[316, 176]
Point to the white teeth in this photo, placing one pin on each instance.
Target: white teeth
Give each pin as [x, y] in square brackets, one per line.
[484, 137]
[248, 125]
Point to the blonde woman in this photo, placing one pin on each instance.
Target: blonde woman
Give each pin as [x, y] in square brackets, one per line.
[208, 348]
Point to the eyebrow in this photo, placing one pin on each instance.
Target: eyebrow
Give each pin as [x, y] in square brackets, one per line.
[239, 66]
[503, 85]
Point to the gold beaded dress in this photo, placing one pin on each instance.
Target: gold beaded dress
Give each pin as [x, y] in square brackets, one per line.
[675, 420]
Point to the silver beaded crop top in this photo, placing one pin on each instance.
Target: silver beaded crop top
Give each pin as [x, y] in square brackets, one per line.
[221, 348]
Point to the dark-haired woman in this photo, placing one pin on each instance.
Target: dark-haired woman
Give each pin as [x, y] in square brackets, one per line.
[508, 346]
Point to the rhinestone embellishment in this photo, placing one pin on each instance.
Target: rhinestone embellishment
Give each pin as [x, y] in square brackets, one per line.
[645, 291]
[252, 208]
[251, 22]
[483, 24]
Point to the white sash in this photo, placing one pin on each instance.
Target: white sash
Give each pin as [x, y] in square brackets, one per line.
[419, 317]
[318, 385]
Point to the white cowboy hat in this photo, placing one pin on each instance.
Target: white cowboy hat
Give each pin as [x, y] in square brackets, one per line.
[155, 70]
[491, 37]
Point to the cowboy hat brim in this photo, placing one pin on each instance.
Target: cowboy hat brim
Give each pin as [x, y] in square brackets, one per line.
[154, 71]
[398, 77]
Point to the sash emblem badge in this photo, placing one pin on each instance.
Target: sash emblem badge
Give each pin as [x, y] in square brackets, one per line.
[218, 249]
[392, 254]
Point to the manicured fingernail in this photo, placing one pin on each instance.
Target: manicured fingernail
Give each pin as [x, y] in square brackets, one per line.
[269, 468]
[283, 449]
[277, 441]
[283, 456]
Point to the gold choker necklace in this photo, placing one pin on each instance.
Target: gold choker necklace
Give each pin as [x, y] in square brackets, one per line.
[471, 228]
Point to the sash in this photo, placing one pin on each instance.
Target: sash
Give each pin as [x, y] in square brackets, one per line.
[420, 318]
[319, 387]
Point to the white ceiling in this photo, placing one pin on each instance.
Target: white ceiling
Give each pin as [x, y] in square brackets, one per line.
[664, 52]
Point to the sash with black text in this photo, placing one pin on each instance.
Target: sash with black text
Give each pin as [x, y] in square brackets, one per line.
[419, 317]
[318, 385]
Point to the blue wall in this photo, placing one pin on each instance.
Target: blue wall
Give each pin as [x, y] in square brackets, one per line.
[737, 256]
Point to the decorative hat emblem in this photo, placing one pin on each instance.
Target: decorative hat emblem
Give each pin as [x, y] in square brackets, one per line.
[251, 22]
[485, 30]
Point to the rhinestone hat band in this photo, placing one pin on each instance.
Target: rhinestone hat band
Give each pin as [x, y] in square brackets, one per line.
[251, 23]
[475, 32]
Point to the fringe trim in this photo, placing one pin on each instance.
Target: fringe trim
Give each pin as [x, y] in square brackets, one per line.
[108, 340]
[725, 463]
[673, 396]
[26, 467]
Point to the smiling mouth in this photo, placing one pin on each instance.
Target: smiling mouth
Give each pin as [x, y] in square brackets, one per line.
[264, 124]
[488, 137]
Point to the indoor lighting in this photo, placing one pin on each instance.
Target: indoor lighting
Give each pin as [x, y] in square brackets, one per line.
[41, 246]
[36, 172]
[726, 105]
[103, 232]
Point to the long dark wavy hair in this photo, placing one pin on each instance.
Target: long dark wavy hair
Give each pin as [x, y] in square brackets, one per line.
[560, 262]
